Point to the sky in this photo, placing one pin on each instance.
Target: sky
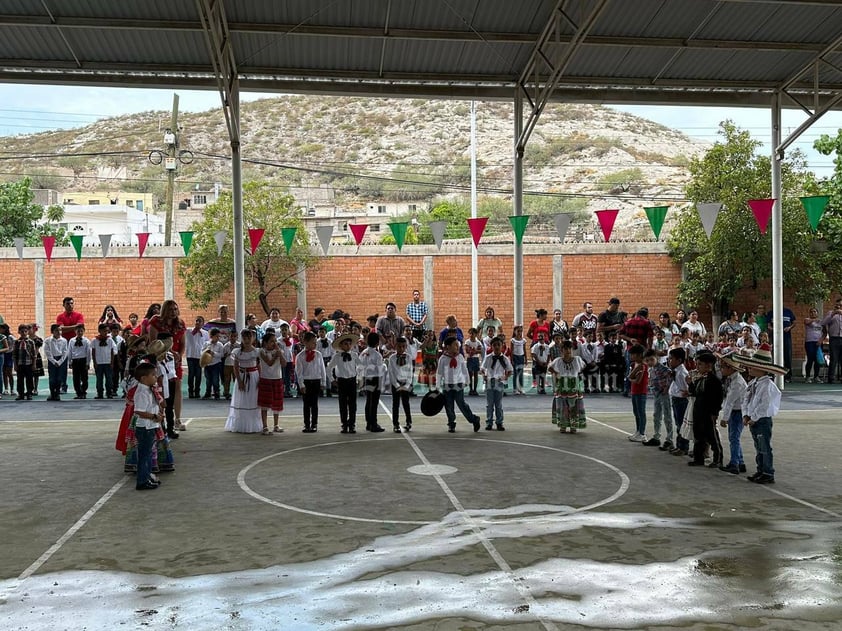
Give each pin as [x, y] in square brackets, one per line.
[32, 108]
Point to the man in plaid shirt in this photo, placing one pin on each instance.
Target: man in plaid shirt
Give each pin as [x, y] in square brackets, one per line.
[416, 313]
[638, 330]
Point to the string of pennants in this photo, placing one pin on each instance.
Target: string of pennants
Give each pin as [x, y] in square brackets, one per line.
[814, 206]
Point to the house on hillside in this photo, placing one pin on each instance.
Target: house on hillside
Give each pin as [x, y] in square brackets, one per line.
[139, 201]
[121, 221]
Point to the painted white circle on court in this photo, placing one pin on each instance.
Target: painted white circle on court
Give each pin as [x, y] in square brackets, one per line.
[621, 490]
[432, 469]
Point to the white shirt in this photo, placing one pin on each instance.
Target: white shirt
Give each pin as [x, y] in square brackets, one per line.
[217, 349]
[305, 370]
[735, 389]
[227, 349]
[678, 387]
[56, 350]
[762, 399]
[103, 353]
[273, 370]
[82, 351]
[496, 369]
[400, 377]
[451, 375]
[274, 324]
[340, 369]
[146, 402]
[194, 342]
[587, 352]
[565, 369]
[371, 365]
[473, 349]
[518, 347]
[324, 347]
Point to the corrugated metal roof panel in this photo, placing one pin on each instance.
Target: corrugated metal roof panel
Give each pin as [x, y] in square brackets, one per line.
[300, 52]
[32, 43]
[742, 65]
[773, 22]
[473, 58]
[125, 46]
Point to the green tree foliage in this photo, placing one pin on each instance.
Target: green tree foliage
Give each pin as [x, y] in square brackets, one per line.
[411, 237]
[455, 213]
[207, 275]
[737, 254]
[830, 227]
[19, 216]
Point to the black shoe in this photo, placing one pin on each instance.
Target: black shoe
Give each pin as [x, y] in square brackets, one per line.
[376, 429]
[500, 428]
[407, 427]
[344, 430]
[476, 423]
[397, 429]
[146, 486]
[693, 463]
[207, 396]
[99, 396]
[652, 442]
[742, 468]
[307, 430]
[172, 435]
[489, 426]
[666, 446]
[764, 478]
[77, 397]
[730, 469]
[352, 431]
[20, 398]
[754, 476]
[715, 465]
[451, 429]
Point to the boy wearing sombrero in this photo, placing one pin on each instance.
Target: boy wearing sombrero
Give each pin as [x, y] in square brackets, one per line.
[731, 415]
[342, 371]
[761, 403]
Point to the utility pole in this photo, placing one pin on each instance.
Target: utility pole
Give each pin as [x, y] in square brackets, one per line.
[171, 164]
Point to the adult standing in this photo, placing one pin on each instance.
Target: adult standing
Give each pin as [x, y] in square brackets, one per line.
[153, 310]
[451, 330]
[390, 323]
[638, 329]
[68, 320]
[833, 322]
[251, 324]
[538, 325]
[665, 324]
[490, 319]
[169, 321]
[558, 326]
[587, 319]
[612, 319]
[731, 326]
[194, 343]
[680, 319]
[319, 317]
[274, 322]
[693, 325]
[223, 322]
[812, 340]
[416, 314]
[298, 325]
[762, 318]
[750, 322]
[787, 322]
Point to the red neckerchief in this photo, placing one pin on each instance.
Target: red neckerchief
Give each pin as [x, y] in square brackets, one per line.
[309, 355]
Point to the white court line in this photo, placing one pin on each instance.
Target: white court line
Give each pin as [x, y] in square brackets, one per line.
[72, 530]
[523, 589]
[791, 498]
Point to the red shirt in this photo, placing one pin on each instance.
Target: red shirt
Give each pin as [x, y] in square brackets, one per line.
[69, 319]
[642, 386]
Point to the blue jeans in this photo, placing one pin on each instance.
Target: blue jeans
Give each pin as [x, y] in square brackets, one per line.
[145, 445]
[104, 378]
[735, 431]
[679, 407]
[639, 409]
[194, 377]
[761, 432]
[663, 414]
[518, 362]
[494, 402]
[812, 349]
[58, 377]
[455, 394]
[212, 376]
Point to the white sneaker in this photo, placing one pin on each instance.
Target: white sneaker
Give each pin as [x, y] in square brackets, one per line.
[181, 427]
[637, 438]
[809, 380]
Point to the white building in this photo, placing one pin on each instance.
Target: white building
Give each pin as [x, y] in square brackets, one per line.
[122, 222]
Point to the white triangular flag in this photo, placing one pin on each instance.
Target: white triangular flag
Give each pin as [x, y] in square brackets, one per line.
[325, 233]
[438, 228]
[19, 241]
[220, 236]
[708, 214]
[562, 223]
[105, 241]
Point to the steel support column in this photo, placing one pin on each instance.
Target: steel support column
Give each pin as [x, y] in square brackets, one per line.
[517, 203]
[777, 237]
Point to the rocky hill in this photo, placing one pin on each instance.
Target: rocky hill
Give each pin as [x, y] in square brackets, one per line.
[385, 149]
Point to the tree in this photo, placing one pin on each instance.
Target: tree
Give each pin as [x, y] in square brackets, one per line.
[736, 253]
[830, 227]
[455, 213]
[19, 216]
[207, 275]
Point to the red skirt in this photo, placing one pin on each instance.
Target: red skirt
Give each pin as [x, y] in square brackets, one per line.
[270, 394]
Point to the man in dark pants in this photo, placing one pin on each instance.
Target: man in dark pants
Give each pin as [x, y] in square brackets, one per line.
[788, 322]
[833, 322]
[707, 389]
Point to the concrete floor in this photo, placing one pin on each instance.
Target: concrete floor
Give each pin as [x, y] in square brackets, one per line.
[526, 529]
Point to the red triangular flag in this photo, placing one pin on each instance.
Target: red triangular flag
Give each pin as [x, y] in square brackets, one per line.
[762, 209]
[477, 226]
[606, 221]
[255, 236]
[358, 231]
[49, 242]
[142, 239]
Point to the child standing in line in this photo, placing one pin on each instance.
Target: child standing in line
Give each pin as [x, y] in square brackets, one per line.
[452, 374]
[679, 393]
[540, 357]
[731, 415]
[213, 371]
[412, 348]
[473, 352]
[614, 363]
[168, 383]
[270, 388]
[310, 373]
[243, 414]
[659, 386]
[707, 390]
[568, 400]
[588, 353]
[639, 379]
[400, 378]
[23, 353]
[518, 346]
[228, 362]
[760, 405]
[373, 372]
[343, 368]
[429, 359]
[490, 334]
[56, 350]
[147, 421]
[80, 361]
[326, 351]
[496, 368]
[8, 362]
[103, 352]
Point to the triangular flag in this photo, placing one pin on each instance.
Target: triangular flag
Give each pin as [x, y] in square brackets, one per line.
[105, 242]
[76, 240]
[255, 237]
[814, 206]
[606, 221]
[49, 242]
[762, 209]
[707, 214]
[477, 226]
[562, 223]
[289, 236]
[519, 225]
[325, 233]
[358, 230]
[220, 236]
[399, 232]
[142, 240]
[186, 241]
[656, 215]
[438, 228]
[19, 241]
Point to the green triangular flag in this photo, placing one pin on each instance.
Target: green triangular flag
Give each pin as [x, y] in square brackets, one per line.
[519, 225]
[76, 240]
[186, 241]
[399, 232]
[656, 215]
[289, 236]
[815, 209]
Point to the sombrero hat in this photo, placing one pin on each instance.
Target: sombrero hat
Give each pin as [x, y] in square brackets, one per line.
[345, 336]
[132, 341]
[432, 403]
[206, 359]
[728, 360]
[761, 359]
[157, 348]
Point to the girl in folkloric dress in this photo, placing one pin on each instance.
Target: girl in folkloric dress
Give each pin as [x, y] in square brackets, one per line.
[244, 415]
[569, 403]
[270, 388]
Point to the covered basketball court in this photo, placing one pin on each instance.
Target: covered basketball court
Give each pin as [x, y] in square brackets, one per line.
[526, 529]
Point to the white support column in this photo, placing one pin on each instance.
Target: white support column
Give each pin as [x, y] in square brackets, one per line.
[429, 292]
[169, 279]
[558, 283]
[239, 228]
[301, 290]
[40, 304]
[777, 238]
[517, 202]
